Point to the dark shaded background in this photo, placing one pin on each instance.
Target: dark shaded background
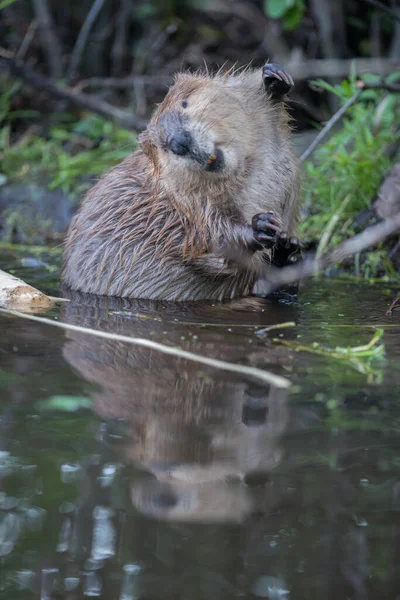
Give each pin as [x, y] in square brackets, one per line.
[126, 51]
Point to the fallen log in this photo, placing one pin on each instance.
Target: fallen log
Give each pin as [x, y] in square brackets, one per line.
[17, 295]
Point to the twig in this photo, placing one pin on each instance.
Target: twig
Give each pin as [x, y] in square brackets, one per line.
[395, 304]
[332, 121]
[26, 42]
[336, 68]
[50, 40]
[81, 41]
[385, 8]
[312, 266]
[121, 37]
[124, 82]
[308, 69]
[322, 13]
[379, 85]
[124, 119]
[362, 86]
[261, 374]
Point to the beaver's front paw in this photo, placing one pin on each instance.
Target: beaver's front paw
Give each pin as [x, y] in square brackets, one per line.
[276, 82]
[266, 228]
[287, 250]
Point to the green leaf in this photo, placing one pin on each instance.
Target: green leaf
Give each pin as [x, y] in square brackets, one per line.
[276, 9]
[64, 403]
[6, 3]
[294, 16]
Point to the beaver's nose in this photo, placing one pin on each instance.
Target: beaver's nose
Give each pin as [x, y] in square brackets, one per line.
[180, 142]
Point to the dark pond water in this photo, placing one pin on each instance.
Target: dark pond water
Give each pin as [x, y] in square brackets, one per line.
[172, 480]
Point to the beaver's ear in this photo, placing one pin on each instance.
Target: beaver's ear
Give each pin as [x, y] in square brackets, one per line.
[148, 146]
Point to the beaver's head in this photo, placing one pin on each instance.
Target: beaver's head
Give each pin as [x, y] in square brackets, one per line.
[211, 125]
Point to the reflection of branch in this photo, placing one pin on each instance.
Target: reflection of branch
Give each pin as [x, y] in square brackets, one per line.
[261, 374]
[91, 103]
[81, 41]
[387, 9]
[362, 85]
[312, 266]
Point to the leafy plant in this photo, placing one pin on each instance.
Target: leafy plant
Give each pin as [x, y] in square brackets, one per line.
[290, 11]
[72, 154]
[345, 173]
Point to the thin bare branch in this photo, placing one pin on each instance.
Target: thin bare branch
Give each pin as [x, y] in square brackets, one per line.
[300, 70]
[336, 117]
[82, 38]
[339, 68]
[19, 69]
[322, 12]
[26, 42]
[395, 304]
[254, 372]
[124, 82]
[118, 50]
[51, 43]
[312, 266]
[390, 11]
[379, 85]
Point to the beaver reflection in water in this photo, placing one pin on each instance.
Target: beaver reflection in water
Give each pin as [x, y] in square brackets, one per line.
[206, 203]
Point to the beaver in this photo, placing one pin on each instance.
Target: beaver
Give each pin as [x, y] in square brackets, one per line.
[205, 204]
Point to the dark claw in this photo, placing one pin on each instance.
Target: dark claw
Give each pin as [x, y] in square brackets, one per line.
[276, 81]
[266, 227]
[287, 250]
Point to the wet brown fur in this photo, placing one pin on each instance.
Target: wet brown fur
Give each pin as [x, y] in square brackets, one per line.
[156, 227]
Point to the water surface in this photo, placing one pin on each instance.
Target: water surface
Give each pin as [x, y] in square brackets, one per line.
[129, 474]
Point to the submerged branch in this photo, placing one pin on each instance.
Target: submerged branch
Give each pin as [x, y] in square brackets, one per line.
[261, 374]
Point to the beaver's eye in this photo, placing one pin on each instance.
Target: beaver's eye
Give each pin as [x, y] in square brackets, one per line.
[184, 104]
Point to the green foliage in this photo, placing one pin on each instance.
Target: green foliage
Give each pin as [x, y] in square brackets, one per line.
[71, 154]
[291, 11]
[5, 3]
[64, 403]
[344, 174]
